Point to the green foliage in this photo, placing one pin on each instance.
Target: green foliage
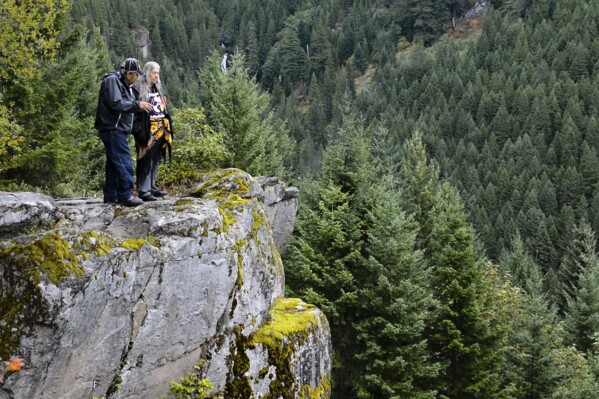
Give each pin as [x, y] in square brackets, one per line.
[190, 386]
[353, 256]
[197, 147]
[11, 139]
[461, 337]
[508, 119]
[60, 151]
[581, 290]
[533, 330]
[235, 107]
[28, 33]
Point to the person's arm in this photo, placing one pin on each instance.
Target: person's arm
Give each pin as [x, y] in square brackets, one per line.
[115, 99]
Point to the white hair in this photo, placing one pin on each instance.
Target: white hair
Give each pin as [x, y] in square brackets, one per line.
[144, 81]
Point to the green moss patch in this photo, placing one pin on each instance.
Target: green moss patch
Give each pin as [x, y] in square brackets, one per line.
[323, 390]
[238, 384]
[238, 250]
[133, 243]
[183, 204]
[228, 218]
[25, 264]
[50, 255]
[291, 324]
[258, 220]
[291, 318]
[222, 181]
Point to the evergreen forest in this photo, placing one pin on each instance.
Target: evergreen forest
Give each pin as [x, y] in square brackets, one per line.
[448, 164]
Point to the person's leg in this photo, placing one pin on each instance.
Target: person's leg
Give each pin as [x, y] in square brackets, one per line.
[110, 182]
[144, 166]
[122, 164]
[156, 158]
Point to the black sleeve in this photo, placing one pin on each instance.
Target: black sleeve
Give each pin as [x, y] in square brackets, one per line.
[115, 98]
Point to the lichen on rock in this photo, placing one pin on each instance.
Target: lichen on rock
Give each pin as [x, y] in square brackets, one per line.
[97, 312]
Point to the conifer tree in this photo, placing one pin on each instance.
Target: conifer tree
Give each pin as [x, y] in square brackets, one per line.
[579, 260]
[395, 357]
[353, 255]
[320, 51]
[61, 156]
[236, 108]
[252, 50]
[582, 310]
[461, 339]
[294, 61]
[535, 331]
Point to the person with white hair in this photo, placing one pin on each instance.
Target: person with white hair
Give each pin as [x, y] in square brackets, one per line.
[153, 132]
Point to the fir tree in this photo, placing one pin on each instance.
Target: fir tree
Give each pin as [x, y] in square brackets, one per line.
[535, 333]
[353, 255]
[460, 336]
[236, 108]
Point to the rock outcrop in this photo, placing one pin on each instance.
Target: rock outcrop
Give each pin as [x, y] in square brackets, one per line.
[112, 302]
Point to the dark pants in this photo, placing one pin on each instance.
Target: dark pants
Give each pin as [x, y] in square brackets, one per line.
[119, 166]
[147, 169]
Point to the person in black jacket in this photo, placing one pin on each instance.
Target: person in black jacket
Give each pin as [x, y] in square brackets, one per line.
[114, 121]
[152, 132]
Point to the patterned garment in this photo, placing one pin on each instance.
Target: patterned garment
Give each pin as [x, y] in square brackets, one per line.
[160, 130]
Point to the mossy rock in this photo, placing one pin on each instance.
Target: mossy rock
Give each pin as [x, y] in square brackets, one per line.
[292, 322]
[31, 261]
[222, 183]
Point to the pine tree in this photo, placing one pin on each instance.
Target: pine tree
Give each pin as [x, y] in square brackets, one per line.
[294, 62]
[60, 140]
[461, 339]
[252, 50]
[589, 167]
[578, 260]
[582, 310]
[236, 108]
[531, 368]
[320, 50]
[394, 353]
[353, 255]
[360, 59]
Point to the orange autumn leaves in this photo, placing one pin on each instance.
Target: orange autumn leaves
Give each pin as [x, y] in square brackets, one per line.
[10, 366]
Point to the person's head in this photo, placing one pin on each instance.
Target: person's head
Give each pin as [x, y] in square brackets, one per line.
[130, 70]
[150, 78]
[152, 72]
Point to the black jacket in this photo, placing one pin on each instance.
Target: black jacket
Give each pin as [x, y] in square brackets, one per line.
[116, 104]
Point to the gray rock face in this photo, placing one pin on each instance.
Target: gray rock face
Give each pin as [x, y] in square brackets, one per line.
[281, 204]
[21, 210]
[118, 302]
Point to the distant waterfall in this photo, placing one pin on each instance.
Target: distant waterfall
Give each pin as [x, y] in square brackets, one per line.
[223, 63]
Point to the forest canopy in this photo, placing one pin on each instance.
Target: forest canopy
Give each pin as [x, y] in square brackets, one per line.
[448, 164]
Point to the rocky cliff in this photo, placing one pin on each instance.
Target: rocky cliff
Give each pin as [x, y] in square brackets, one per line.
[107, 301]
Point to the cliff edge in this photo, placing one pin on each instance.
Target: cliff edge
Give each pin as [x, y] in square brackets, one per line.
[104, 301]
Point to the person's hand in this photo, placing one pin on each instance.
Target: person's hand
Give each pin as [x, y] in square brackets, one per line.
[145, 106]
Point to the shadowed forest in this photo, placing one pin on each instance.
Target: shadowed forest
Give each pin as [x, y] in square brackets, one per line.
[449, 177]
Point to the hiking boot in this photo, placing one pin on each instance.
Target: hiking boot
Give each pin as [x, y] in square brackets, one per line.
[149, 197]
[159, 193]
[131, 201]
